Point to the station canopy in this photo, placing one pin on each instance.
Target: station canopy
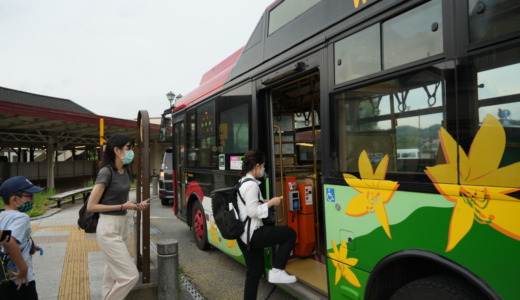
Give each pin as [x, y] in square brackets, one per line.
[33, 121]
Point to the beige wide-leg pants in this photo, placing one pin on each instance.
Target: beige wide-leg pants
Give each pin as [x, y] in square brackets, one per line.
[120, 270]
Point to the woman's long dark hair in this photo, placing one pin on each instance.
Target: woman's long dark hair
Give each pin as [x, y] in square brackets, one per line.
[118, 140]
[251, 158]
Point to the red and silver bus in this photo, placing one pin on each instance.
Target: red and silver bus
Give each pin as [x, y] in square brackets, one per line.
[338, 93]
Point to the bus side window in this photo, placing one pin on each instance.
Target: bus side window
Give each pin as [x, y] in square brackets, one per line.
[499, 96]
[206, 136]
[234, 129]
[401, 121]
[191, 131]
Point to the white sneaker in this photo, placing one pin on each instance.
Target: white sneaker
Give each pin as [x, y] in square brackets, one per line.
[280, 276]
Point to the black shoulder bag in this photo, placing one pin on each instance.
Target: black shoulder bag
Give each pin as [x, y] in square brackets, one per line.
[88, 220]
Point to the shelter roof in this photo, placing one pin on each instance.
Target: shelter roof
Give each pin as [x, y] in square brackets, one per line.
[31, 120]
[20, 97]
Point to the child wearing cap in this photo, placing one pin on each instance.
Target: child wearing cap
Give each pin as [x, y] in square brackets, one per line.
[17, 193]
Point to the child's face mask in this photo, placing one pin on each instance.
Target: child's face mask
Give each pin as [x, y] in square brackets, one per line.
[27, 206]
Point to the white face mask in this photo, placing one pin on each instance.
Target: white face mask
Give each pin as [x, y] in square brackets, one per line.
[262, 173]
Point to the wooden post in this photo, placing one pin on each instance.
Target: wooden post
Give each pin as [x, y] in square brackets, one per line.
[143, 192]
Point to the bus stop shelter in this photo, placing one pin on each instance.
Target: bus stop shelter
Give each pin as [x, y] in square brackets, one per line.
[30, 121]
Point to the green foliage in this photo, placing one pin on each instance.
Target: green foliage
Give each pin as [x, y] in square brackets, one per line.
[88, 183]
[41, 203]
[412, 137]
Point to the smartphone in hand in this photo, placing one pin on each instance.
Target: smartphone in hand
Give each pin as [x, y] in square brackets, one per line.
[6, 236]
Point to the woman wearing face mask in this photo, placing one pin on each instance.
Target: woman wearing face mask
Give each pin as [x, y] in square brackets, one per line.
[256, 208]
[113, 185]
[17, 193]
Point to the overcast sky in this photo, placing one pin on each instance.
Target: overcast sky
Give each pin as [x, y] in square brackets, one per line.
[116, 57]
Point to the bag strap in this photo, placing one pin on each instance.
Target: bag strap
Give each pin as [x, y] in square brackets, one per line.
[248, 219]
[239, 184]
[106, 187]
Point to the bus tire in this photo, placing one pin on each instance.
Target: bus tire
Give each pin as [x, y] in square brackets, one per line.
[437, 287]
[199, 227]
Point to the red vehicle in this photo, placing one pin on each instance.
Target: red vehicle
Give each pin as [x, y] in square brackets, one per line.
[391, 129]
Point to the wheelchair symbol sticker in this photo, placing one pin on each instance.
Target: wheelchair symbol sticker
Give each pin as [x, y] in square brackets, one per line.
[331, 195]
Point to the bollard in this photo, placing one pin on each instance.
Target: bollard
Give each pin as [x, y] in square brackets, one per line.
[168, 269]
[155, 185]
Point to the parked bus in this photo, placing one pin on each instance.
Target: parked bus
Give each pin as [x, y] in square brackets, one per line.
[331, 90]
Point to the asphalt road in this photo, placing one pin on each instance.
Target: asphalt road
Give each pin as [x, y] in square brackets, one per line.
[213, 274]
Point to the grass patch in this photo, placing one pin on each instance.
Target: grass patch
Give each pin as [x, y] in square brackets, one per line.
[87, 183]
[40, 203]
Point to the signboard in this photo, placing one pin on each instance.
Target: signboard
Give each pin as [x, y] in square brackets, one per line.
[235, 162]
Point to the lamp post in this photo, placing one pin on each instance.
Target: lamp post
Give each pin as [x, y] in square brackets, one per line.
[173, 98]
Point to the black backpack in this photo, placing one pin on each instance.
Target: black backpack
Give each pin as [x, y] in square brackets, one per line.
[88, 220]
[225, 211]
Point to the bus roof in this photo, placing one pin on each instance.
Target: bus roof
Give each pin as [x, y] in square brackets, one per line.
[211, 82]
[263, 47]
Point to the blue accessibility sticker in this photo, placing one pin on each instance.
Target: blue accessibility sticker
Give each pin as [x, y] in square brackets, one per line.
[331, 195]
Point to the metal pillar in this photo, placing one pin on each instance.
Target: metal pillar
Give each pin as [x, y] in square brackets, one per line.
[168, 269]
[50, 162]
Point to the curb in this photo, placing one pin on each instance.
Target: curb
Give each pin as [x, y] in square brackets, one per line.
[48, 213]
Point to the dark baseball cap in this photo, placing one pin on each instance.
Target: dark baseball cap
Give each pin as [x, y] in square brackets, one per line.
[18, 184]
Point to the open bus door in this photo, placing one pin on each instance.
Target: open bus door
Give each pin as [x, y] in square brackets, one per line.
[295, 140]
[179, 153]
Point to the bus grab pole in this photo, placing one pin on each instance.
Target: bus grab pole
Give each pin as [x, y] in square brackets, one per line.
[282, 183]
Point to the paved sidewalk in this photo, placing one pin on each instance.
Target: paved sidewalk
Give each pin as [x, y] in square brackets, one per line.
[62, 271]
[72, 264]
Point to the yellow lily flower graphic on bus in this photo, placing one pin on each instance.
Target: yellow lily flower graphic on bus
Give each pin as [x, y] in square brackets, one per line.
[356, 3]
[481, 195]
[232, 244]
[213, 232]
[374, 191]
[343, 264]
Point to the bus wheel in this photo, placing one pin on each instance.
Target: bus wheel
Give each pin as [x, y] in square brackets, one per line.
[437, 287]
[199, 230]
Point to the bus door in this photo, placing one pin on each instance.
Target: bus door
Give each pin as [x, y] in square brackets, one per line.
[296, 153]
[178, 168]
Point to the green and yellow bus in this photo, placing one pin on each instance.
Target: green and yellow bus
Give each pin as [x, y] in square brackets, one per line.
[391, 127]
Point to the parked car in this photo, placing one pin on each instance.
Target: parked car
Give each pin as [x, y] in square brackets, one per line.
[166, 179]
